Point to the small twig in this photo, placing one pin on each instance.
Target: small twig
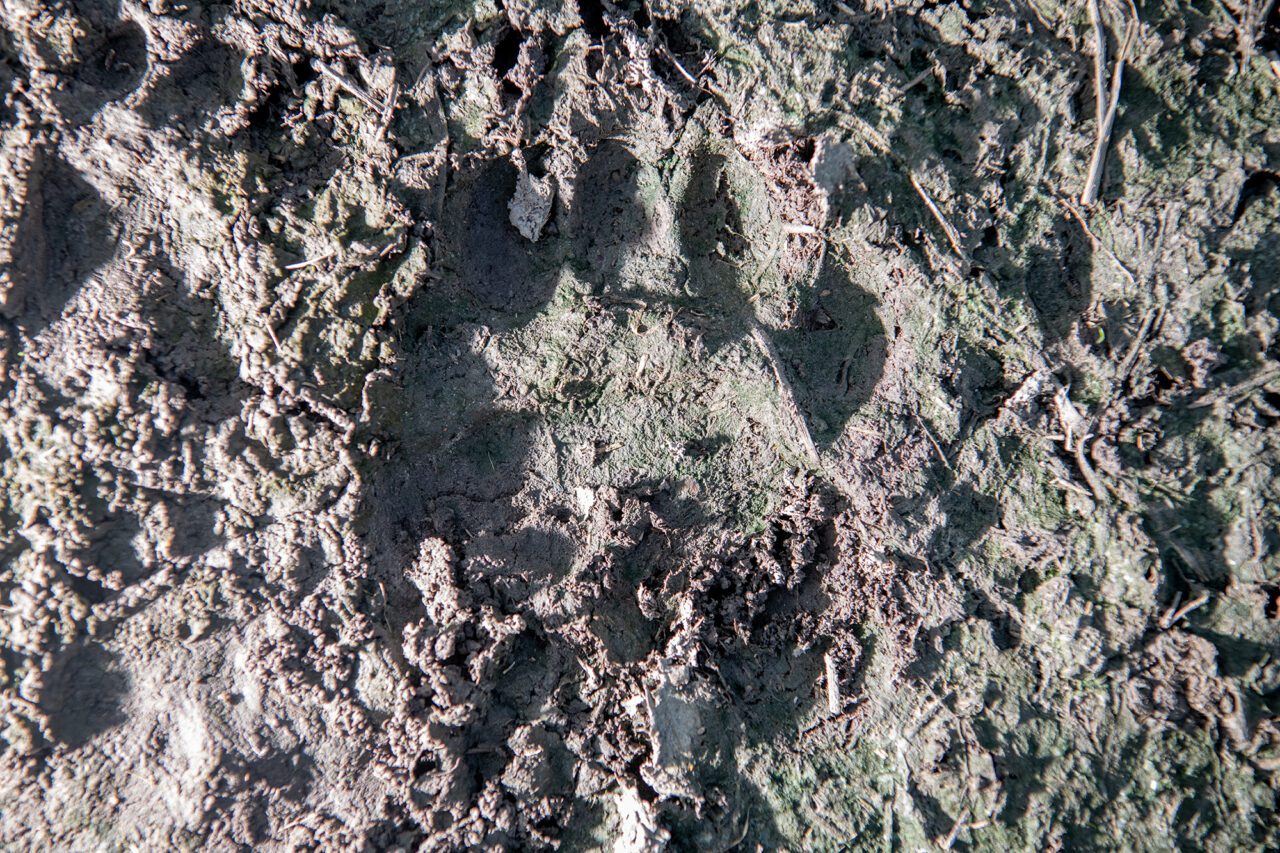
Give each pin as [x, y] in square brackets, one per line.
[354, 89]
[427, 68]
[1072, 487]
[1086, 471]
[1096, 241]
[670, 57]
[1256, 15]
[793, 409]
[271, 332]
[1099, 61]
[742, 834]
[798, 228]
[1106, 118]
[1171, 618]
[1075, 433]
[1090, 193]
[928, 433]
[953, 236]
[833, 683]
[917, 80]
[388, 110]
[1135, 347]
[856, 709]
[1151, 323]
[1264, 376]
[874, 138]
[859, 125]
[961, 823]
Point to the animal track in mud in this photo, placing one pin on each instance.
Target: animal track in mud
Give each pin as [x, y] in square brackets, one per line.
[460, 461]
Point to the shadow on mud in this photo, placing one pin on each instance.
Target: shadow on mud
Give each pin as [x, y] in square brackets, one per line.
[83, 694]
[65, 234]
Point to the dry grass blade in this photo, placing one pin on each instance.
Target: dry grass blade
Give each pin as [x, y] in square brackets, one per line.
[788, 395]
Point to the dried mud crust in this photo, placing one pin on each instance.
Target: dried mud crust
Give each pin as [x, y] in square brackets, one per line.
[634, 426]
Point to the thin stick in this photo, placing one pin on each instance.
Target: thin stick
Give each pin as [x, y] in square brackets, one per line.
[1096, 241]
[1175, 613]
[388, 109]
[363, 96]
[1255, 17]
[1106, 122]
[917, 80]
[953, 236]
[1099, 61]
[301, 265]
[1151, 322]
[961, 822]
[928, 433]
[1262, 378]
[1090, 194]
[1086, 471]
[793, 409]
[667, 55]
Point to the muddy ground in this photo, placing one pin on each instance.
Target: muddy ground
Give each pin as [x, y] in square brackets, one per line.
[526, 424]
